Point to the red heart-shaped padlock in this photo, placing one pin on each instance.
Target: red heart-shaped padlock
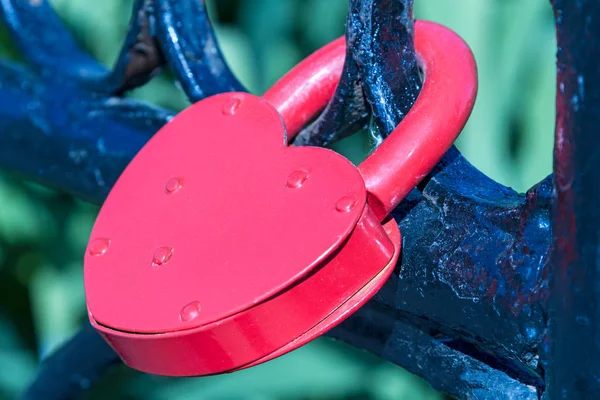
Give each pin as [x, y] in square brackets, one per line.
[220, 247]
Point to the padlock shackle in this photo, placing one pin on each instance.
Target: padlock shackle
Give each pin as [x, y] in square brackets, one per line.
[307, 88]
[431, 126]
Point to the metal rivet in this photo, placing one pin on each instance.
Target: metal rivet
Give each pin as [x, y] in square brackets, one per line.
[173, 185]
[230, 107]
[190, 311]
[161, 256]
[346, 203]
[98, 247]
[297, 178]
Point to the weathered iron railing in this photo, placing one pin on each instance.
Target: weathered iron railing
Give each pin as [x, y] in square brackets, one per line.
[481, 307]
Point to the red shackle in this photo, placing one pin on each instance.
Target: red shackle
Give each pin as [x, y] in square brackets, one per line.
[220, 247]
[429, 129]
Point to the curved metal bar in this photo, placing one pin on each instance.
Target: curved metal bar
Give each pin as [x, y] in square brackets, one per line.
[44, 41]
[400, 342]
[385, 53]
[191, 49]
[69, 373]
[140, 58]
[47, 46]
[474, 266]
[54, 132]
[346, 112]
[375, 31]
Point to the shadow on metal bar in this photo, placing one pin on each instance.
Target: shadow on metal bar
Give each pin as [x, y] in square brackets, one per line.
[475, 307]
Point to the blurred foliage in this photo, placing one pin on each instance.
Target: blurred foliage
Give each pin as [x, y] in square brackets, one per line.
[43, 233]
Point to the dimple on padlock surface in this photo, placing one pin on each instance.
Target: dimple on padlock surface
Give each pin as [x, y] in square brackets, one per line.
[216, 217]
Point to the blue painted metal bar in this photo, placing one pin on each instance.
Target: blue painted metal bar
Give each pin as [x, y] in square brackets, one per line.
[381, 332]
[191, 49]
[573, 343]
[70, 373]
[140, 58]
[380, 52]
[385, 54]
[347, 111]
[54, 132]
[44, 42]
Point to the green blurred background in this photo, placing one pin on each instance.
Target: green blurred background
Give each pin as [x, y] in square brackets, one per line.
[43, 233]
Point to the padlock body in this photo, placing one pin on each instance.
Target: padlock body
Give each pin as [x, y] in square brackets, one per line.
[260, 332]
[219, 245]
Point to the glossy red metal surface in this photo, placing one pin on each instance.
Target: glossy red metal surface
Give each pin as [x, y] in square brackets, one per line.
[352, 304]
[306, 89]
[221, 247]
[235, 219]
[316, 303]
